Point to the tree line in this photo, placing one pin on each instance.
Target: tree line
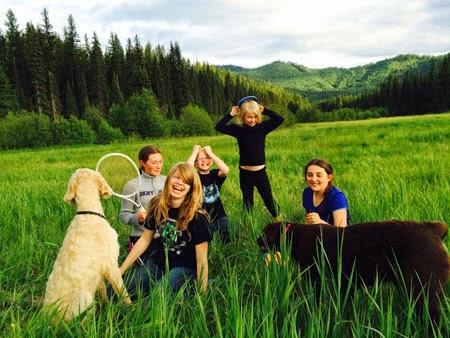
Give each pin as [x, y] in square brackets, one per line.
[76, 91]
[66, 78]
[413, 92]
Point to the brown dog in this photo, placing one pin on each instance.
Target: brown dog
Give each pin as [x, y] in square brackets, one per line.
[384, 248]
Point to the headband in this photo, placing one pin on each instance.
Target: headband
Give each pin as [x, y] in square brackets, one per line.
[246, 99]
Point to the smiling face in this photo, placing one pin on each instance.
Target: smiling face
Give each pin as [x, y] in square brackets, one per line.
[318, 179]
[178, 189]
[250, 113]
[250, 119]
[203, 162]
[153, 165]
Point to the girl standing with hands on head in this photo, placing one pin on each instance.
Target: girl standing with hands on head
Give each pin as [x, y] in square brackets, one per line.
[176, 229]
[251, 136]
[322, 201]
[152, 183]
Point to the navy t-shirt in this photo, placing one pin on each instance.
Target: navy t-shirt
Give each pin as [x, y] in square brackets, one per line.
[334, 200]
[211, 184]
[180, 244]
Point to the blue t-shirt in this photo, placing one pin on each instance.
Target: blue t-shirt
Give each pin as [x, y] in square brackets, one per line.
[334, 200]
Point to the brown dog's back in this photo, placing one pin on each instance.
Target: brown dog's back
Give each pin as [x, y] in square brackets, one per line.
[383, 248]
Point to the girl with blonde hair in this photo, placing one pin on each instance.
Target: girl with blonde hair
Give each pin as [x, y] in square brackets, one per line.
[251, 132]
[176, 233]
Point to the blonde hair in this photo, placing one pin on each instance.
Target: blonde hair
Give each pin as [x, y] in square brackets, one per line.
[252, 107]
[159, 205]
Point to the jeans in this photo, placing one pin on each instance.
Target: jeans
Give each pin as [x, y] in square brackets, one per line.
[143, 277]
[220, 225]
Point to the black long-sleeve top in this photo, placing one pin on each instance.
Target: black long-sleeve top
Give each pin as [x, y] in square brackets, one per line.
[251, 140]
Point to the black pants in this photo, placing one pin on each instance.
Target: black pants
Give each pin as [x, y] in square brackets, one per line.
[260, 180]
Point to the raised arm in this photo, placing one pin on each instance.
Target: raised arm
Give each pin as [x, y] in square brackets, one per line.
[222, 126]
[274, 122]
[193, 157]
[223, 168]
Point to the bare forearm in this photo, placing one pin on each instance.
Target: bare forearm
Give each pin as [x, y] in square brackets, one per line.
[138, 249]
[202, 274]
[193, 157]
[221, 165]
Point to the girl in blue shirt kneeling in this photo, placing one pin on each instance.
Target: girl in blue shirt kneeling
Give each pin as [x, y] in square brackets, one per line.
[322, 201]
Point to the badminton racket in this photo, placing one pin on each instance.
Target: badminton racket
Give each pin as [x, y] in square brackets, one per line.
[120, 171]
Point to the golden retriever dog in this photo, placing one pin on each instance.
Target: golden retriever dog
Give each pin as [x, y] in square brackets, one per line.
[89, 253]
[395, 251]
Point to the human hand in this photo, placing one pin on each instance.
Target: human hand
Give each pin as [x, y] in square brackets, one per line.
[141, 216]
[234, 110]
[196, 148]
[313, 218]
[208, 150]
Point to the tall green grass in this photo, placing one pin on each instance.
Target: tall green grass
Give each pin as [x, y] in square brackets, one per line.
[388, 168]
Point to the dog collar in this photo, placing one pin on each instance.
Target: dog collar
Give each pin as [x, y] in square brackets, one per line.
[288, 227]
[91, 213]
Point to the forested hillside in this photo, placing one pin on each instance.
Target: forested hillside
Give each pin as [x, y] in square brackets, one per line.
[138, 89]
[69, 90]
[323, 83]
[418, 92]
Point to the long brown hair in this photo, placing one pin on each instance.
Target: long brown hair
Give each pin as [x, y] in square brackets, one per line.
[160, 204]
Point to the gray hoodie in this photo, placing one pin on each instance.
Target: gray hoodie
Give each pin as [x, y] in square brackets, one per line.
[150, 186]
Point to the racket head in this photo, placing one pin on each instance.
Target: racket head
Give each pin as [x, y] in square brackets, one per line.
[120, 170]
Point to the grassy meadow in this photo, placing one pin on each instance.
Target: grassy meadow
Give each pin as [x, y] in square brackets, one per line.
[392, 168]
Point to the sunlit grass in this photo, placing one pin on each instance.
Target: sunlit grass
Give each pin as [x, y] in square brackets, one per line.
[388, 168]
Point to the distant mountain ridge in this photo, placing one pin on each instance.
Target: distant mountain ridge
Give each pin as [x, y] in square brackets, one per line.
[323, 83]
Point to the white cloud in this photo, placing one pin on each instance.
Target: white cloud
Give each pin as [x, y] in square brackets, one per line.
[254, 32]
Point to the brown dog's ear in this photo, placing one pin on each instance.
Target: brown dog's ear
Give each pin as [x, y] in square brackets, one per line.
[271, 235]
[103, 187]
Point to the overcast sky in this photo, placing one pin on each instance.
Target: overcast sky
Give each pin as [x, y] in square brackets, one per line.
[252, 33]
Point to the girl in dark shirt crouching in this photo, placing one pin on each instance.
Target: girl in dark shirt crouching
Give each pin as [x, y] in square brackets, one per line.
[177, 234]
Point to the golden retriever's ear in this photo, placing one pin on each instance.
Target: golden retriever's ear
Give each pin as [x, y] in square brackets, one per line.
[69, 197]
[103, 187]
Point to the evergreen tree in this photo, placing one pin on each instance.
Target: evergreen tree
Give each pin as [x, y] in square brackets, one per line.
[72, 70]
[49, 48]
[178, 78]
[164, 88]
[7, 98]
[70, 102]
[443, 83]
[115, 70]
[116, 95]
[34, 39]
[96, 76]
[136, 74]
[2, 50]
[15, 62]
